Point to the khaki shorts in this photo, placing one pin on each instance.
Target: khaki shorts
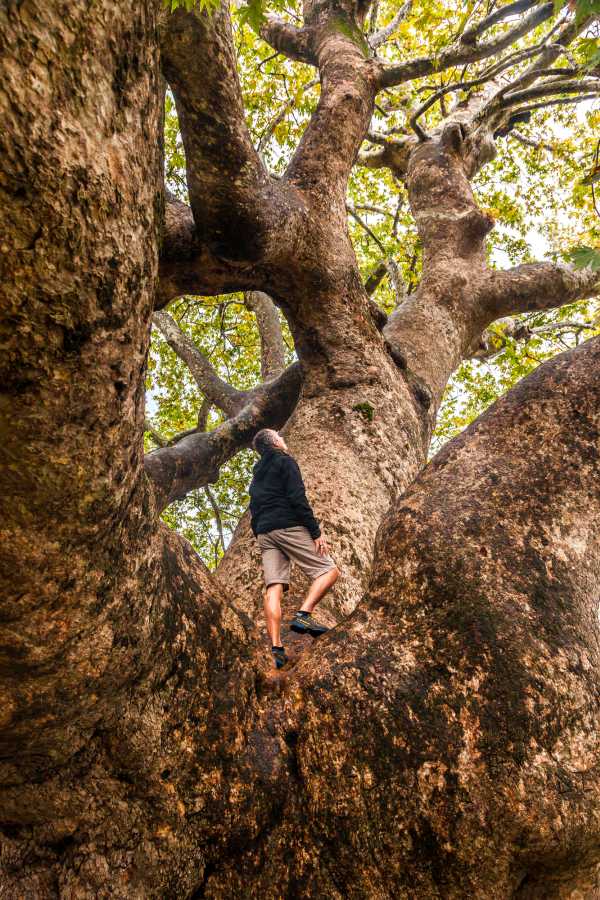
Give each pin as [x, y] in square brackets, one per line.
[282, 545]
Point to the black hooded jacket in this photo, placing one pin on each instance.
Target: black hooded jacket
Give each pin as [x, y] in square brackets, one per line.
[277, 495]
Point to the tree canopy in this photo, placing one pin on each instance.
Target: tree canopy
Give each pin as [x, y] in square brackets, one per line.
[539, 190]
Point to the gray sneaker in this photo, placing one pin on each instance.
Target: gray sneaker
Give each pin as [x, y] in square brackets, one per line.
[305, 624]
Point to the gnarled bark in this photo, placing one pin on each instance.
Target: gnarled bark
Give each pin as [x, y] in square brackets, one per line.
[442, 739]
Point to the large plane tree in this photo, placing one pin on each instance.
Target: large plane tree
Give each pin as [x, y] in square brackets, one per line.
[442, 739]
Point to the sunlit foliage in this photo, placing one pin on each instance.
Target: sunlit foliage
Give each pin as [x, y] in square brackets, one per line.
[538, 189]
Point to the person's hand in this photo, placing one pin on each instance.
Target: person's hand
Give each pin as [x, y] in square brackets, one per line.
[321, 546]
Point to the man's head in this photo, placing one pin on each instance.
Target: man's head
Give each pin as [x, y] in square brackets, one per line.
[268, 439]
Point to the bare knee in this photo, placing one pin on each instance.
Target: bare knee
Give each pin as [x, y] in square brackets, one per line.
[273, 593]
[335, 574]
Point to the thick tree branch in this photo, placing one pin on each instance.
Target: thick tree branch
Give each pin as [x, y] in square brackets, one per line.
[195, 460]
[395, 153]
[224, 172]
[241, 215]
[460, 54]
[220, 394]
[187, 266]
[295, 43]
[336, 129]
[533, 286]
[433, 330]
[272, 345]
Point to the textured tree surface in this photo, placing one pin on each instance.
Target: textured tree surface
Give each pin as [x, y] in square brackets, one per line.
[442, 740]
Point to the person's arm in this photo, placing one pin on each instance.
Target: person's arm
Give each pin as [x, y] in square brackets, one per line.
[253, 520]
[296, 493]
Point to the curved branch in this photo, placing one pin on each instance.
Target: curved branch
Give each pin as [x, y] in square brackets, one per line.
[459, 54]
[493, 109]
[499, 15]
[549, 88]
[242, 216]
[536, 286]
[217, 391]
[553, 51]
[381, 36]
[295, 43]
[560, 101]
[224, 172]
[272, 345]
[488, 75]
[188, 266]
[336, 129]
[195, 460]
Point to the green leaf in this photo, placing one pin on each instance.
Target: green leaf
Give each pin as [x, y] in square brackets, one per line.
[586, 8]
[189, 5]
[586, 256]
[252, 14]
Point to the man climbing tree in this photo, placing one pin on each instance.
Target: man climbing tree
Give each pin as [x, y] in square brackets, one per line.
[286, 529]
[441, 740]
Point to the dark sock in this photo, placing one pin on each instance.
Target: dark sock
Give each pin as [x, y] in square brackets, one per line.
[275, 647]
[302, 612]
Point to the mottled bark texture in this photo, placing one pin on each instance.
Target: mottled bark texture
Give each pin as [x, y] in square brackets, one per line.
[272, 345]
[122, 668]
[80, 193]
[441, 741]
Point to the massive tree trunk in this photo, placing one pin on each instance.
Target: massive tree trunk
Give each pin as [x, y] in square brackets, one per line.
[441, 740]
[359, 435]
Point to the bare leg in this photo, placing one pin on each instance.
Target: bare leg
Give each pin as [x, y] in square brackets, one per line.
[319, 588]
[272, 598]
